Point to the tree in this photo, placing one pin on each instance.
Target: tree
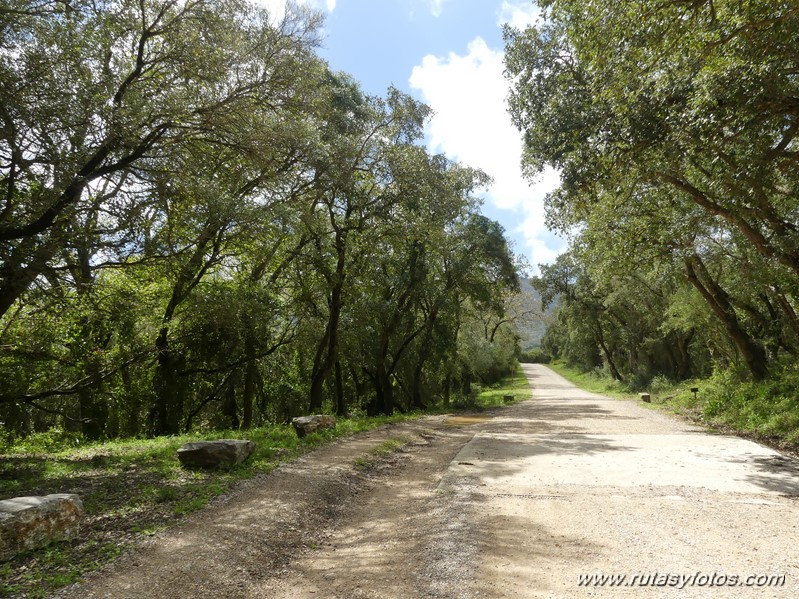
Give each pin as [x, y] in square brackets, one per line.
[203, 226]
[659, 138]
[93, 94]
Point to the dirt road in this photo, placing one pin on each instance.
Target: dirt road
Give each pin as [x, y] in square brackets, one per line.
[520, 504]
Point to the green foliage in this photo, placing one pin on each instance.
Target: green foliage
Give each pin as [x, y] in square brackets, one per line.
[514, 384]
[596, 381]
[766, 410]
[535, 356]
[678, 183]
[50, 441]
[182, 251]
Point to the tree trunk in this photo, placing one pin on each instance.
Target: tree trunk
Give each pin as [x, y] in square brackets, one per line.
[20, 270]
[327, 351]
[94, 413]
[361, 385]
[341, 403]
[417, 401]
[131, 426]
[167, 410]
[248, 397]
[230, 408]
[753, 354]
[684, 368]
[385, 391]
[383, 401]
[466, 383]
[250, 382]
[614, 371]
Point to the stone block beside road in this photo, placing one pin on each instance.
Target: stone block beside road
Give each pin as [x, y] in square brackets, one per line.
[214, 454]
[28, 523]
[310, 424]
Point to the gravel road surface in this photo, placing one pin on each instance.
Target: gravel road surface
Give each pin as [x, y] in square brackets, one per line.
[526, 501]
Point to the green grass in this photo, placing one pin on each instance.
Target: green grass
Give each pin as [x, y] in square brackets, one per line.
[136, 488]
[492, 396]
[594, 382]
[766, 411]
[131, 489]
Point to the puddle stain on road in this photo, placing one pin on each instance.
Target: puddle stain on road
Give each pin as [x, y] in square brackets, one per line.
[466, 420]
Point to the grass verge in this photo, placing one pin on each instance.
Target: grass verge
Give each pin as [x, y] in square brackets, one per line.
[486, 397]
[131, 490]
[134, 489]
[592, 381]
[766, 411]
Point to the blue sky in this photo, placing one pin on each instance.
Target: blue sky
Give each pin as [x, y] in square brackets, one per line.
[448, 53]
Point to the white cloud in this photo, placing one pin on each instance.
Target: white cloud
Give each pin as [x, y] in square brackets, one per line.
[437, 7]
[471, 125]
[518, 14]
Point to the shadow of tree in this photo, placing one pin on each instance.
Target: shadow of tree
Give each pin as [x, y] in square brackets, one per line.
[775, 473]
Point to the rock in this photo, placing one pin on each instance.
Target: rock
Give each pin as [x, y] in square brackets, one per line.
[213, 454]
[30, 522]
[310, 424]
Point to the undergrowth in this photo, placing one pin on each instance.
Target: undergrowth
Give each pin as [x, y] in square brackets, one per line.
[595, 381]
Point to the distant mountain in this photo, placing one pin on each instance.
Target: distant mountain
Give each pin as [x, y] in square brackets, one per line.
[532, 329]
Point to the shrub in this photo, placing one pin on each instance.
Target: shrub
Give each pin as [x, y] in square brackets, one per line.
[535, 356]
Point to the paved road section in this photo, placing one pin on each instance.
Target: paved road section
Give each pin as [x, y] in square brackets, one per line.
[573, 484]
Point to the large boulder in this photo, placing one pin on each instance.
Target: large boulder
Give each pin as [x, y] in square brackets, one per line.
[30, 522]
[213, 454]
[310, 424]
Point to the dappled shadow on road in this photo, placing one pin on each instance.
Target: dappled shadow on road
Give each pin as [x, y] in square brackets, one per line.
[555, 417]
[503, 456]
[771, 472]
[530, 426]
[512, 447]
[776, 473]
[541, 386]
[568, 411]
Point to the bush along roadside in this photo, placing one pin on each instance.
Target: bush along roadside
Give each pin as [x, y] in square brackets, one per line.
[134, 489]
[766, 411]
